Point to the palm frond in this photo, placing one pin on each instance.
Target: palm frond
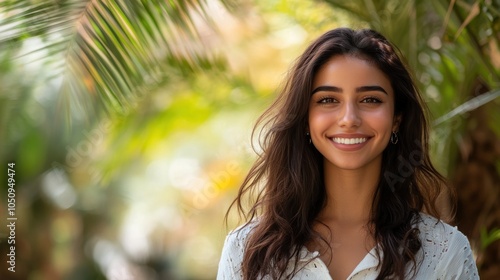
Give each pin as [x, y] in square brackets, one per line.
[469, 106]
[108, 50]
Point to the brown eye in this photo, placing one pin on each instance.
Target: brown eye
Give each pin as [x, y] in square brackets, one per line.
[327, 100]
[371, 100]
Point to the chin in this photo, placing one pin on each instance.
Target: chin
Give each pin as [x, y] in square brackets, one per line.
[346, 165]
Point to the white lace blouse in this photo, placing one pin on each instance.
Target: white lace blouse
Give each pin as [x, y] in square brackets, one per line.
[445, 254]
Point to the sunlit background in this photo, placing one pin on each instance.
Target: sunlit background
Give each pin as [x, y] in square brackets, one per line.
[129, 122]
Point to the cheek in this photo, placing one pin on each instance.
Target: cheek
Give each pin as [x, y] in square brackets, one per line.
[381, 119]
[318, 119]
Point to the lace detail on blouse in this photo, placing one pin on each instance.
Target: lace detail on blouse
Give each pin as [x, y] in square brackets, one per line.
[445, 254]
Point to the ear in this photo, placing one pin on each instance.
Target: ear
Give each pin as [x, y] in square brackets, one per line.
[396, 122]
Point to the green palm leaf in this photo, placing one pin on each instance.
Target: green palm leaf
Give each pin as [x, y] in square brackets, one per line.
[108, 51]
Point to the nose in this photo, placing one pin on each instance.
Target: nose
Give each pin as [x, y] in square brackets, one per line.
[349, 115]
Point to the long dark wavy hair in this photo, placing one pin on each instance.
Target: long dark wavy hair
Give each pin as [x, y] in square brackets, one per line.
[287, 179]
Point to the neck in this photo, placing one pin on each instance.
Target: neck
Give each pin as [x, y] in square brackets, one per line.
[350, 193]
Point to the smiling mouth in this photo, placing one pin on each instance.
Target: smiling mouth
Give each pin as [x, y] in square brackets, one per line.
[349, 141]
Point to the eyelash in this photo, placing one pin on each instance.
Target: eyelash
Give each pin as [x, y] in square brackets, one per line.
[371, 98]
[324, 100]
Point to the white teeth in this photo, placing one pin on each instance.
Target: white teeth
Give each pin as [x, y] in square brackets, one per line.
[349, 141]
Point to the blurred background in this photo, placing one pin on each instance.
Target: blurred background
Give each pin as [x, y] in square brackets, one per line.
[129, 122]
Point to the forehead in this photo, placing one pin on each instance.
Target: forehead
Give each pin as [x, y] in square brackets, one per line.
[350, 71]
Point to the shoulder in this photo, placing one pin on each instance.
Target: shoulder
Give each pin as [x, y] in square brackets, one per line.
[232, 253]
[236, 239]
[434, 232]
[446, 251]
[432, 229]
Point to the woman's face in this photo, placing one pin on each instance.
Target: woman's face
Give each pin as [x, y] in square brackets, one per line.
[351, 112]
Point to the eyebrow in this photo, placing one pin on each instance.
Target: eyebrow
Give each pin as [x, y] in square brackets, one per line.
[358, 89]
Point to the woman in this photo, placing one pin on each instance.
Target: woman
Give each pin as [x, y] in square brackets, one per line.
[345, 177]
